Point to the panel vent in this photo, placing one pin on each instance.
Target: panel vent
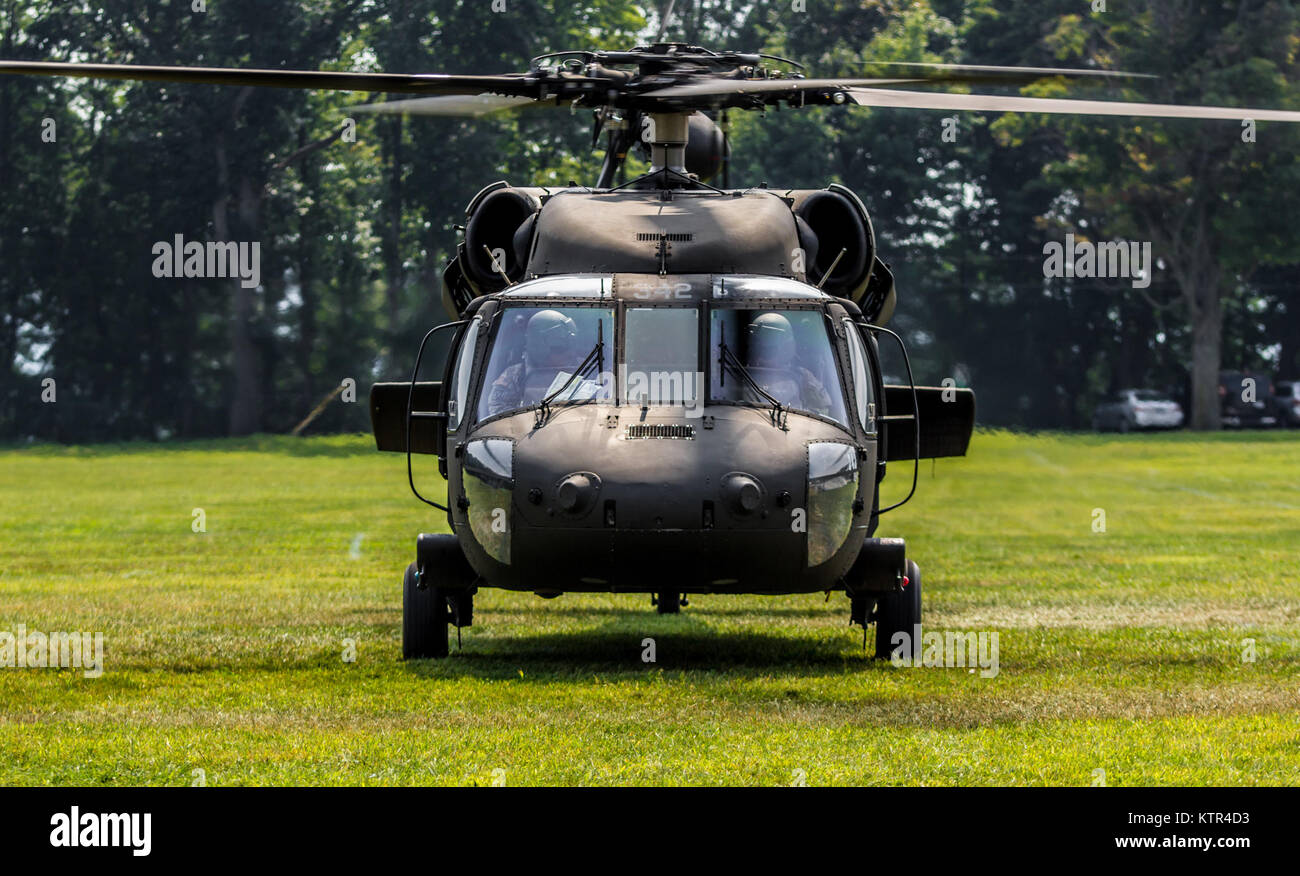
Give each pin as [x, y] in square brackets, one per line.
[651, 237]
[661, 430]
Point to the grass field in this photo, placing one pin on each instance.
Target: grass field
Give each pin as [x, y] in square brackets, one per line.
[1120, 651]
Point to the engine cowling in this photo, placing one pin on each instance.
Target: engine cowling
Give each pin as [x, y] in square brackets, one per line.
[496, 238]
[821, 236]
[841, 251]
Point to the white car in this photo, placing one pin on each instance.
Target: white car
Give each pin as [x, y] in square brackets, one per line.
[1131, 409]
[1287, 394]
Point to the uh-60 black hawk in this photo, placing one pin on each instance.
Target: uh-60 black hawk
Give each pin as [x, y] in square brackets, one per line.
[657, 385]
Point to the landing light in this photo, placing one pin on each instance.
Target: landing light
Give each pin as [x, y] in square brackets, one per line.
[489, 487]
[832, 490]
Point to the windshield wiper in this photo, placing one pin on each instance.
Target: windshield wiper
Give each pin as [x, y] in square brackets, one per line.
[727, 359]
[595, 358]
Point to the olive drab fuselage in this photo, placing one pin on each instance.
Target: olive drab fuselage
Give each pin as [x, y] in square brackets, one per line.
[632, 495]
[666, 388]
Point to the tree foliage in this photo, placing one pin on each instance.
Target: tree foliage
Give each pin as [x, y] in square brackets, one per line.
[354, 232]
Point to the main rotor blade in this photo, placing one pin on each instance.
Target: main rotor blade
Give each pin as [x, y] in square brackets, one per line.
[727, 87]
[991, 73]
[991, 103]
[475, 105]
[398, 83]
[908, 74]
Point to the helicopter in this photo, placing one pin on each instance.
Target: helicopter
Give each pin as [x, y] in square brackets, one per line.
[658, 385]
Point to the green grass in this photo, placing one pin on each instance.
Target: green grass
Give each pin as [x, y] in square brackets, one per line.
[1120, 651]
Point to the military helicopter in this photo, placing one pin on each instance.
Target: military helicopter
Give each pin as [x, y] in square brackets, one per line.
[658, 385]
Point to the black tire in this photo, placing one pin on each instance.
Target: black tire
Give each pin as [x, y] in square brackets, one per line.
[669, 603]
[900, 612]
[424, 619]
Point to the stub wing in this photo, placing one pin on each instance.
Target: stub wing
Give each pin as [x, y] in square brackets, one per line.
[947, 419]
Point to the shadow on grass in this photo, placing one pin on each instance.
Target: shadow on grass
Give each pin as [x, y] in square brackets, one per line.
[689, 614]
[615, 651]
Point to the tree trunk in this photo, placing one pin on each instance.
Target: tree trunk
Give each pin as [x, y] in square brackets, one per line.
[1194, 262]
[307, 281]
[1207, 354]
[246, 404]
[392, 242]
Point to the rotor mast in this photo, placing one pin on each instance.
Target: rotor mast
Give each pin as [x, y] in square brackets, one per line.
[669, 133]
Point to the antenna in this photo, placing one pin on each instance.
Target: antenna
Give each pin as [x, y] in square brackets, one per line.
[496, 266]
[826, 276]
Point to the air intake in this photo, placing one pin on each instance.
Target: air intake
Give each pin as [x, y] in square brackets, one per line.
[650, 237]
[661, 430]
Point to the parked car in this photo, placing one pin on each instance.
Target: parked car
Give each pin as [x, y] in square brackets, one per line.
[1131, 409]
[1246, 399]
[1287, 396]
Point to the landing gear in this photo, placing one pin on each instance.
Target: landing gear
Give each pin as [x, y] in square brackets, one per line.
[669, 603]
[435, 593]
[899, 611]
[424, 618]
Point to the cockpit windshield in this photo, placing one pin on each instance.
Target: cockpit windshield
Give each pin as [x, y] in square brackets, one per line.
[548, 353]
[786, 353]
[687, 350]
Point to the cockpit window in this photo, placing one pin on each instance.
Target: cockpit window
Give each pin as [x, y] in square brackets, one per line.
[535, 352]
[663, 355]
[786, 352]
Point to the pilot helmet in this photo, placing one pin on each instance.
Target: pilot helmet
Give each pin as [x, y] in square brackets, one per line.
[771, 340]
[549, 338]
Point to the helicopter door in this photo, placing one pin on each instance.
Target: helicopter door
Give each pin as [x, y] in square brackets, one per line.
[414, 416]
[924, 422]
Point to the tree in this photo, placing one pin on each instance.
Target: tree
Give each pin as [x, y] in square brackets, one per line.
[1210, 196]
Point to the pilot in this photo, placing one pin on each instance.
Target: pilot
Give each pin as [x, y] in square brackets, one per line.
[548, 348]
[773, 360]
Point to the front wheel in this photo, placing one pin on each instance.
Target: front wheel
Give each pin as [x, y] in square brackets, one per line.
[424, 618]
[898, 618]
[669, 603]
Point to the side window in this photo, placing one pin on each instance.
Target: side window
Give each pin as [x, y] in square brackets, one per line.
[864, 385]
[460, 377]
